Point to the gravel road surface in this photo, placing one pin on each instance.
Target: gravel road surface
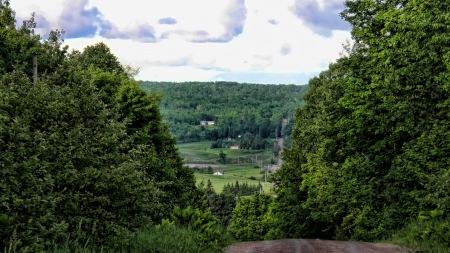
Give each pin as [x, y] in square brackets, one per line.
[312, 246]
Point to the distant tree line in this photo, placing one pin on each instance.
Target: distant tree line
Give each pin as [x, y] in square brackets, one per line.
[235, 108]
[247, 141]
[223, 204]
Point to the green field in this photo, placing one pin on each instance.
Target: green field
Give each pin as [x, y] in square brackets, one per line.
[241, 167]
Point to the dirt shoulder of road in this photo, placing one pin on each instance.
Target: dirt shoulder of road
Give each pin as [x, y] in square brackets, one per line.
[313, 246]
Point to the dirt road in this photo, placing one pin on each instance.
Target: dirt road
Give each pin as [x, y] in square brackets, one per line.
[312, 246]
[281, 142]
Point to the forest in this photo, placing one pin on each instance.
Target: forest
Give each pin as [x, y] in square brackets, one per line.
[88, 162]
[235, 108]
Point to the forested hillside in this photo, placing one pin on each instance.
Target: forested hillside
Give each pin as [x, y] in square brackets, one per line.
[236, 108]
[370, 154]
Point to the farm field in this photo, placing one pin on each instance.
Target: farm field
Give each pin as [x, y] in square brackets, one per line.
[199, 154]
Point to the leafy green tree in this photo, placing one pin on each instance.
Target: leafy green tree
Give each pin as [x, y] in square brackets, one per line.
[222, 157]
[83, 149]
[196, 219]
[99, 56]
[367, 146]
[51, 154]
[249, 219]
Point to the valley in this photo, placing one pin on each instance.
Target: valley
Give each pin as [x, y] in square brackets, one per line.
[245, 166]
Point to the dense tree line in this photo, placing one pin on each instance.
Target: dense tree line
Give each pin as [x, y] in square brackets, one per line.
[84, 152]
[236, 108]
[370, 147]
[246, 141]
[223, 204]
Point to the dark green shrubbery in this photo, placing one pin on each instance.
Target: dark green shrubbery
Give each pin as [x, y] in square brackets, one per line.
[84, 154]
[251, 220]
[428, 236]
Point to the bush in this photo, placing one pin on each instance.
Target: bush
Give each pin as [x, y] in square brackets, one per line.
[166, 238]
[170, 239]
[202, 221]
[251, 218]
[425, 235]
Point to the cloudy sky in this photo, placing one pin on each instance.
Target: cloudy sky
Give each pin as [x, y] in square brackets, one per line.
[253, 41]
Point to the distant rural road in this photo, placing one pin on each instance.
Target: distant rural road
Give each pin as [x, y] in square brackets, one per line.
[281, 142]
[312, 246]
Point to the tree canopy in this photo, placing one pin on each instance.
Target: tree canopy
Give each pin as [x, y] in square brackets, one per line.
[84, 148]
[370, 146]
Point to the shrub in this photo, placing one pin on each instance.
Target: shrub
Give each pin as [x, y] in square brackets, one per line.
[425, 234]
[250, 219]
[202, 221]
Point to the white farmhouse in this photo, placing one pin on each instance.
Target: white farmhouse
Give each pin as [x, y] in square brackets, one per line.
[219, 173]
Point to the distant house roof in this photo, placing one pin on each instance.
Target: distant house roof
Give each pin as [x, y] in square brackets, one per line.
[219, 173]
[204, 122]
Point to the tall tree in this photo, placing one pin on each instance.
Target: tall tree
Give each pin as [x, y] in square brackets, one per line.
[362, 162]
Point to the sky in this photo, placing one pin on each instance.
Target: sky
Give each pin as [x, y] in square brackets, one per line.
[249, 41]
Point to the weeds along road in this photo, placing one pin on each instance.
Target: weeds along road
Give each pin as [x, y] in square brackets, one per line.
[312, 246]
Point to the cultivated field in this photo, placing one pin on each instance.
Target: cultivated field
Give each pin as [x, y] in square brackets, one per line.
[241, 167]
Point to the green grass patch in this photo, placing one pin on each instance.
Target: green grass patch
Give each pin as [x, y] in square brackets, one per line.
[241, 167]
[199, 152]
[232, 174]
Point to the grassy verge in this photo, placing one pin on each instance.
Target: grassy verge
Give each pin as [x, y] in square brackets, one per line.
[431, 236]
[169, 240]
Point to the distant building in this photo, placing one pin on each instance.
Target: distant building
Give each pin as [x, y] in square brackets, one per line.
[206, 123]
[234, 147]
[219, 173]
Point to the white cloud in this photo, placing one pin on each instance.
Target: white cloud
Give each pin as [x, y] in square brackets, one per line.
[255, 54]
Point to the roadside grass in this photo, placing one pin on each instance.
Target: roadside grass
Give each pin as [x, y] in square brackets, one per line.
[431, 236]
[168, 240]
[200, 153]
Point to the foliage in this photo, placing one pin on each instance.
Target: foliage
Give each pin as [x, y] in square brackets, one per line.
[429, 235]
[235, 108]
[164, 239]
[208, 170]
[172, 239]
[222, 205]
[369, 147]
[243, 189]
[222, 157]
[255, 142]
[251, 219]
[83, 152]
[66, 156]
[202, 221]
